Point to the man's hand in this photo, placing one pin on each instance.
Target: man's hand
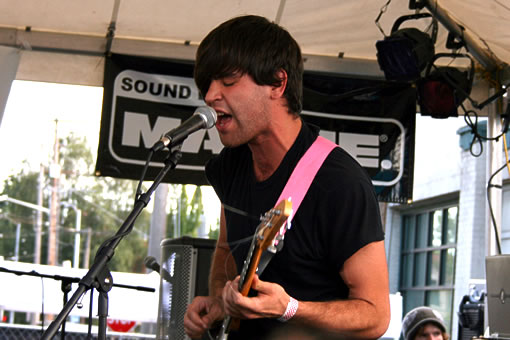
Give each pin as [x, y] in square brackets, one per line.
[270, 302]
[201, 314]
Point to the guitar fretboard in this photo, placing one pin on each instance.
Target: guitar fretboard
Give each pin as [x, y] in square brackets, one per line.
[247, 262]
[261, 240]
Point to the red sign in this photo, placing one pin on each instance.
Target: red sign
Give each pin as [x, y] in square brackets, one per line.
[120, 325]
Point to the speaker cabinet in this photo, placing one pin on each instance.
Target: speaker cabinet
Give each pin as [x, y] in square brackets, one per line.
[185, 264]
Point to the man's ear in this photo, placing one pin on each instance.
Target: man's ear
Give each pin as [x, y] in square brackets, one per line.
[278, 90]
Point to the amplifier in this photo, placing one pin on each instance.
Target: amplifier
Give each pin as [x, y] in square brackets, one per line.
[185, 264]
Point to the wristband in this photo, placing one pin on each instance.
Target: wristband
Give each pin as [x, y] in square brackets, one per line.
[290, 311]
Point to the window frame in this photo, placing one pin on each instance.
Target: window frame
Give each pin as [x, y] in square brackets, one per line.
[424, 289]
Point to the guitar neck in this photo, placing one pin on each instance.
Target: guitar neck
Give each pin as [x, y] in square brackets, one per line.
[247, 262]
[245, 286]
[264, 235]
[249, 269]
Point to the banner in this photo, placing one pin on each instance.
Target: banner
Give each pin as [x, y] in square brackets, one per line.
[374, 121]
[144, 98]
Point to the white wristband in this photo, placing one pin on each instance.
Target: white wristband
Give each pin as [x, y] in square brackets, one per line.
[291, 310]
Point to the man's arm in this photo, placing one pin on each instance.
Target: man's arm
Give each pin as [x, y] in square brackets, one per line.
[223, 267]
[365, 314]
[204, 311]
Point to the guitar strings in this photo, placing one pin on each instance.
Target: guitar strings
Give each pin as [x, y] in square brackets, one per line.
[239, 211]
[235, 244]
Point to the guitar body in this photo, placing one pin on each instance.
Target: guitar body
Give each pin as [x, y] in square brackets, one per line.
[263, 238]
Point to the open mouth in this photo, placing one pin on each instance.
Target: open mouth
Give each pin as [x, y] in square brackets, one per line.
[223, 119]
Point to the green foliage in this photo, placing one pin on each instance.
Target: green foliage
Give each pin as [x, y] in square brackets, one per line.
[214, 233]
[188, 213]
[76, 158]
[104, 203]
[190, 217]
[105, 206]
[21, 186]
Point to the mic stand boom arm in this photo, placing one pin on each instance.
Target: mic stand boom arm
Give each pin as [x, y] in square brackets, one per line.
[99, 276]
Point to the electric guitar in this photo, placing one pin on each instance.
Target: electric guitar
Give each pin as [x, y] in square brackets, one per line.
[263, 238]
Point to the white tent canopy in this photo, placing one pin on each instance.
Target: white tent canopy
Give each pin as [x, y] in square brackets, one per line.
[64, 41]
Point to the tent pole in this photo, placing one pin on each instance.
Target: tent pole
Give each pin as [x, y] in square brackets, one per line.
[488, 61]
[494, 161]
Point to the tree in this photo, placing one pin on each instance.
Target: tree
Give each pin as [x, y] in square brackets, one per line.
[187, 214]
[214, 233]
[22, 186]
[104, 203]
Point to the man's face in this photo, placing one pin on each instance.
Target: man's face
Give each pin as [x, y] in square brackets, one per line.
[429, 332]
[242, 107]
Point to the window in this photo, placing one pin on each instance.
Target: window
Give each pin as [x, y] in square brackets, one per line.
[428, 260]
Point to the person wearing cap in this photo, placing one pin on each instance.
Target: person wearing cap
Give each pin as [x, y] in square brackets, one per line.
[424, 323]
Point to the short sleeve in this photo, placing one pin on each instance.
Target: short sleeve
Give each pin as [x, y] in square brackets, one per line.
[349, 216]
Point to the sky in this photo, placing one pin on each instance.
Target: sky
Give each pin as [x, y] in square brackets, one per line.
[27, 129]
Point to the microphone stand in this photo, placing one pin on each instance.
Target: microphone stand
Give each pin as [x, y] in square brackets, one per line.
[99, 275]
[65, 286]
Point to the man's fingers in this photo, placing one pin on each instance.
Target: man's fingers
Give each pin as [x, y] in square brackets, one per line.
[201, 314]
[262, 286]
[194, 330]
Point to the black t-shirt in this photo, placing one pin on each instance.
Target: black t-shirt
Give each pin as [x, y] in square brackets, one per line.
[338, 215]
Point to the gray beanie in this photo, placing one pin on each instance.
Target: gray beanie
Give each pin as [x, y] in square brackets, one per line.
[419, 317]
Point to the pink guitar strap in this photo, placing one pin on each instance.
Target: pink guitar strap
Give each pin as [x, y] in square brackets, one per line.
[304, 173]
[296, 188]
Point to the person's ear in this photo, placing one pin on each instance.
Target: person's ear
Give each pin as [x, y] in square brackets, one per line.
[278, 90]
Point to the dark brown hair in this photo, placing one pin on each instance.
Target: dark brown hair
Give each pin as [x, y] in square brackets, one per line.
[255, 46]
[443, 333]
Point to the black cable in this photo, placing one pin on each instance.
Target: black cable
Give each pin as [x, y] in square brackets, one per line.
[42, 306]
[89, 331]
[474, 129]
[489, 186]
[506, 119]
[138, 194]
[381, 12]
[239, 212]
[142, 176]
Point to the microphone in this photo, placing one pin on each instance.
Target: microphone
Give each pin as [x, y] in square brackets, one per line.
[151, 263]
[204, 117]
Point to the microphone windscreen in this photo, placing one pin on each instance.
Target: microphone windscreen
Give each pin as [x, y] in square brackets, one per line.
[151, 263]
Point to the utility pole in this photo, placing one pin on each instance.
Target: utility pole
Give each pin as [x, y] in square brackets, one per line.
[54, 204]
[87, 249]
[39, 219]
[16, 246]
[177, 224]
[77, 235]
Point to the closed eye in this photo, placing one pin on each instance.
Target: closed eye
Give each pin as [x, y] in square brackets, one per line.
[228, 83]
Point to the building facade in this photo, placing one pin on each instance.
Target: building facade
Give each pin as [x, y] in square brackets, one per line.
[436, 245]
